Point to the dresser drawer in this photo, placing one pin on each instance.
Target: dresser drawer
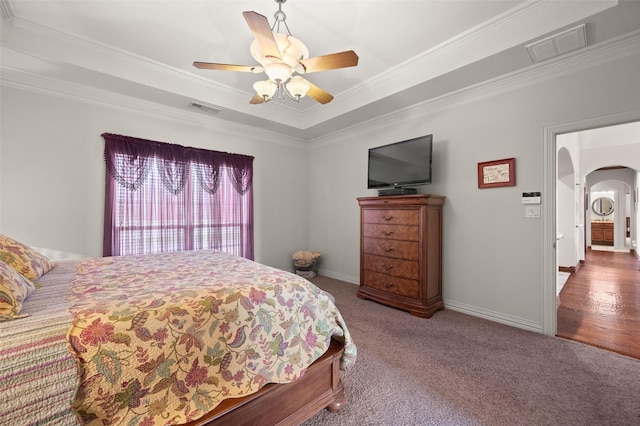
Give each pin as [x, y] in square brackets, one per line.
[392, 216]
[393, 232]
[396, 285]
[391, 248]
[390, 266]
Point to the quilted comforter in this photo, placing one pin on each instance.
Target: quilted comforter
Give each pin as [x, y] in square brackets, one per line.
[38, 374]
[163, 339]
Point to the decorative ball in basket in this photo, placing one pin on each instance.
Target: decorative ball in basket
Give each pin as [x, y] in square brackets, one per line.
[305, 263]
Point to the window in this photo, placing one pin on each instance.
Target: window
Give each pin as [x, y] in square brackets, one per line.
[164, 197]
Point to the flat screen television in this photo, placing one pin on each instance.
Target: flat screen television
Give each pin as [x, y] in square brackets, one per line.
[401, 164]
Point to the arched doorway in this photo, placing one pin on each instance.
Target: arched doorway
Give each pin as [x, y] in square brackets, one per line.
[613, 186]
[567, 215]
[549, 200]
[593, 309]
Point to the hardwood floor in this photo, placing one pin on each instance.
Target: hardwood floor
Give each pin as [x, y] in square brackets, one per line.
[600, 303]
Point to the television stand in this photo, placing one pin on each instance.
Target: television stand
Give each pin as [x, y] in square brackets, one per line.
[397, 191]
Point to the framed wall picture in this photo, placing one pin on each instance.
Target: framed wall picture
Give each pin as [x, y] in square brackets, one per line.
[494, 174]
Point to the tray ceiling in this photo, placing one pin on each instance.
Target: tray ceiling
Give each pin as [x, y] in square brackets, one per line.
[410, 51]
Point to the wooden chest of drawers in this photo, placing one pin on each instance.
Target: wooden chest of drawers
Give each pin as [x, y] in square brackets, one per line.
[401, 252]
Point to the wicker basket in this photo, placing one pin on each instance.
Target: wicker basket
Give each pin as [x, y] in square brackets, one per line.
[304, 264]
[306, 274]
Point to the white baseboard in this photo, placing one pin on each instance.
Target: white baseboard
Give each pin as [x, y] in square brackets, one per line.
[338, 276]
[493, 316]
[459, 307]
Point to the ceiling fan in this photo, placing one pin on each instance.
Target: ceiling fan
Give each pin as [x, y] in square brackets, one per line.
[284, 59]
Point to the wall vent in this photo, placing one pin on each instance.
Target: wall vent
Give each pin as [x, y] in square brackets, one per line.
[207, 109]
[558, 44]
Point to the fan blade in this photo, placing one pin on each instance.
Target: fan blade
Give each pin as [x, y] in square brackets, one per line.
[330, 62]
[257, 99]
[259, 26]
[318, 94]
[226, 67]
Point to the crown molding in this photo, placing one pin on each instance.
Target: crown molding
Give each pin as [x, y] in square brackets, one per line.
[102, 98]
[109, 51]
[460, 49]
[181, 78]
[591, 56]
[6, 10]
[570, 63]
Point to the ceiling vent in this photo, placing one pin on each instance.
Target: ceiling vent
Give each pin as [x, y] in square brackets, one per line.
[207, 109]
[558, 44]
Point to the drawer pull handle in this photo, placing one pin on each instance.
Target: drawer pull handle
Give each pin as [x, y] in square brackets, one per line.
[387, 217]
[387, 249]
[386, 266]
[387, 285]
[387, 233]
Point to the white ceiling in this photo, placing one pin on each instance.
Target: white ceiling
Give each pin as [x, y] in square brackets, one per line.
[410, 51]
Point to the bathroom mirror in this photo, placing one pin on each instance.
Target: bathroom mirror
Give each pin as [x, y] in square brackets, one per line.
[602, 206]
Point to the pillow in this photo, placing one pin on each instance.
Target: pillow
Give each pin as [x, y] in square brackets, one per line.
[14, 289]
[23, 259]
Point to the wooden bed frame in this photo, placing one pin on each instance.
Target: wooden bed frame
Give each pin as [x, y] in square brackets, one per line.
[287, 403]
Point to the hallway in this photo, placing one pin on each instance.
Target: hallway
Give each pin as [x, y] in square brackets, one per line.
[600, 303]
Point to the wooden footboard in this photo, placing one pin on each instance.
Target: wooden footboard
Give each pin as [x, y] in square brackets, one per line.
[287, 403]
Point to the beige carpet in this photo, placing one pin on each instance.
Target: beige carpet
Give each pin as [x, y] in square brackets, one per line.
[455, 369]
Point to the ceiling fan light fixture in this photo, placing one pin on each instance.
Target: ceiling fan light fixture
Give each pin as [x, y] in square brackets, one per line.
[291, 50]
[265, 89]
[281, 56]
[278, 72]
[297, 87]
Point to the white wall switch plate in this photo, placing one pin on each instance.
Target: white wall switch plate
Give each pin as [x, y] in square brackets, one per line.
[532, 211]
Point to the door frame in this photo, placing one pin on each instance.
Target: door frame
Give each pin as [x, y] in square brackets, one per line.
[549, 260]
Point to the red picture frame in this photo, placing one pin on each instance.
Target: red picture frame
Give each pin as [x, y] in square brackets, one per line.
[498, 173]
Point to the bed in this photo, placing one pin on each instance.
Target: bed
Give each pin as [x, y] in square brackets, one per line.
[192, 338]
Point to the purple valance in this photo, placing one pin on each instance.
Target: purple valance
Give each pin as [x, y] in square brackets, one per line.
[128, 160]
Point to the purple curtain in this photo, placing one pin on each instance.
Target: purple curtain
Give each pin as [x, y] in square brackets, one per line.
[166, 197]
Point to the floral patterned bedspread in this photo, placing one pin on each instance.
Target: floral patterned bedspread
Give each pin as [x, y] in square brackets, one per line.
[162, 339]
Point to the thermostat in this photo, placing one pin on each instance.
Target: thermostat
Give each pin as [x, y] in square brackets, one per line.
[531, 198]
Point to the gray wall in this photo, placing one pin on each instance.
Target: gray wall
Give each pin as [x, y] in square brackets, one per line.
[492, 254]
[52, 172]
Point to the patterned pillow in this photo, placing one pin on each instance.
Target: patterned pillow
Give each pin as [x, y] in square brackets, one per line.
[14, 289]
[23, 259]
